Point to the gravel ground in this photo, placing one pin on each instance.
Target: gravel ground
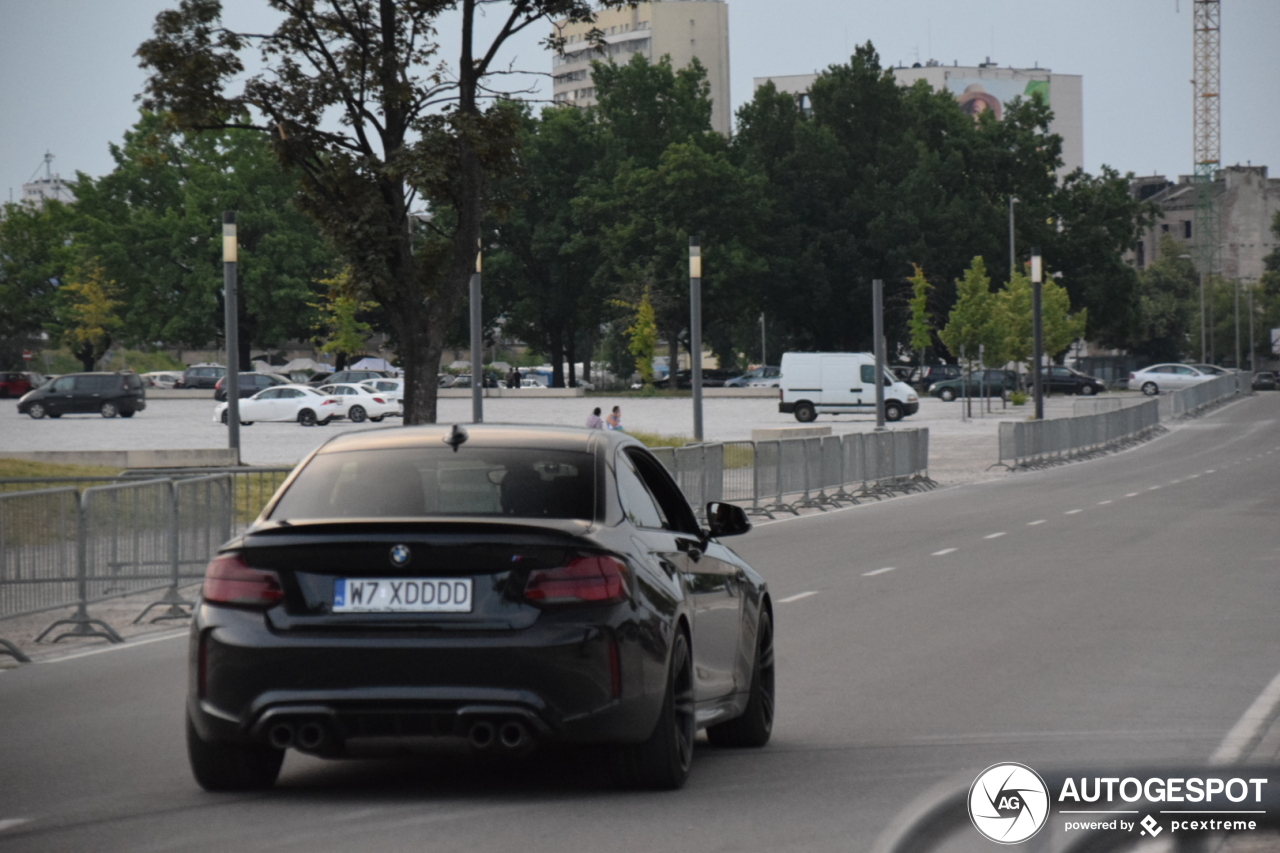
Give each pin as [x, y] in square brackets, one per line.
[960, 450]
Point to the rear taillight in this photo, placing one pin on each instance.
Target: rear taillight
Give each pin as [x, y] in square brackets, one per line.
[329, 402]
[595, 580]
[218, 385]
[229, 580]
[379, 400]
[1133, 376]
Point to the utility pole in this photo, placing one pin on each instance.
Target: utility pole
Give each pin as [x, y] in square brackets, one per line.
[477, 347]
[1253, 351]
[1239, 363]
[695, 333]
[877, 329]
[764, 356]
[231, 333]
[1037, 333]
[1013, 258]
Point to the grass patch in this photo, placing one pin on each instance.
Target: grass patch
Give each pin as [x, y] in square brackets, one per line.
[652, 439]
[19, 468]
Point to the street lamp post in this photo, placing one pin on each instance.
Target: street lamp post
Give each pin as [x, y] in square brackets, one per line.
[1013, 262]
[877, 329]
[1037, 333]
[1239, 363]
[695, 333]
[477, 347]
[1253, 352]
[232, 334]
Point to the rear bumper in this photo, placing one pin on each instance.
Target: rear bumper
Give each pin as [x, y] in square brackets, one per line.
[555, 678]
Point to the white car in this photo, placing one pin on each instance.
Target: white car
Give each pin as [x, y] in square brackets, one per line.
[162, 379]
[1166, 377]
[391, 389]
[361, 403]
[300, 403]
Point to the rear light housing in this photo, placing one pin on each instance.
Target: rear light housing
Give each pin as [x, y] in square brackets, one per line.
[218, 385]
[379, 400]
[228, 579]
[330, 402]
[593, 579]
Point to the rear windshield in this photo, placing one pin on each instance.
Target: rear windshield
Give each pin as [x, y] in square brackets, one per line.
[408, 482]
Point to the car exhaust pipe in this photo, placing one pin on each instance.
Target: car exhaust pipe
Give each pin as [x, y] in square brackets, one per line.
[310, 736]
[281, 735]
[513, 735]
[481, 735]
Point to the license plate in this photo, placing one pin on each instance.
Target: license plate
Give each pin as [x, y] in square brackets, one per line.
[402, 595]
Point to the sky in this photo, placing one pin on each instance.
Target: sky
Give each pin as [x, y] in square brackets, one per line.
[68, 77]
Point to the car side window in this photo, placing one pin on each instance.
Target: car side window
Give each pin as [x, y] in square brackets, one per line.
[869, 374]
[269, 394]
[291, 393]
[65, 385]
[1185, 371]
[637, 503]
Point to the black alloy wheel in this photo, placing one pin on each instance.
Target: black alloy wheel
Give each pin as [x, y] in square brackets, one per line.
[37, 411]
[357, 414]
[755, 725]
[307, 417]
[232, 766]
[662, 761]
[806, 413]
[893, 410]
[110, 410]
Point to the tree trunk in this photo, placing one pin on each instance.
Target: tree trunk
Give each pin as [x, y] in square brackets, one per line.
[86, 356]
[569, 353]
[557, 358]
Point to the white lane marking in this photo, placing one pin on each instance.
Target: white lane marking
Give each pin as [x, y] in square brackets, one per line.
[1175, 482]
[1072, 511]
[1211, 471]
[1152, 488]
[796, 597]
[1249, 726]
[1034, 523]
[878, 571]
[1103, 503]
[994, 535]
[1132, 495]
[129, 644]
[10, 823]
[942, 552]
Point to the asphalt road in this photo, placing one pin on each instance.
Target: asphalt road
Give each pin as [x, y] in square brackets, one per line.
[1119, 610]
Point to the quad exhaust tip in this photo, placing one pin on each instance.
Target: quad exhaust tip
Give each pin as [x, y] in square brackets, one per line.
[310, 735]
[481, 735]
[513, 735]
[281, 735]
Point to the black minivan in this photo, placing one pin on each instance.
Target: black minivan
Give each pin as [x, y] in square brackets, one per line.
[108, 394]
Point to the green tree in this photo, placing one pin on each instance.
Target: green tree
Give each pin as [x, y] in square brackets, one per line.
[340, 331]
[355, 95]
[972, 322]
[35, 257]
[1169, 312]
[87, 315]
[644, 339]
[919, 325]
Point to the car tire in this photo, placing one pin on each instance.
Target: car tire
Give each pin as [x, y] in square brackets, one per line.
[1087, 391]
[232, 766]
[755, 725]
[37, 411]
[805, 413]
[1150, 389]
[225, 419]
[127, 413]
[307, 418]
[378, 419]
[663, 760]
[55, 415]
[110, 410]
[324, 422]
[947, 395]
[357, 414]
[893, 410]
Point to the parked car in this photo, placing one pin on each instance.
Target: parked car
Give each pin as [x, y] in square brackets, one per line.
[1213, 369]
[250, 384]
[341, 376]
[201, 376]
[1063, 380]
[507, 587]
[711, 378]
[18, 382]
[990, 383]
[391, 389]
[768, 376]
[815, 383]
[162, 379]
[361, 403]
[1166, 377]
[1264, 381]
[924, 379]
[108, 394]
[300, 403]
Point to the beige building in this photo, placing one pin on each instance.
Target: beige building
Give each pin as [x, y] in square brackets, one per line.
[681, 29]
[987, 87]
[1247, 202]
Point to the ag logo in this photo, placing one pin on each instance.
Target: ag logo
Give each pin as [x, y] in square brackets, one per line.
[399, 555]
[1008, 803]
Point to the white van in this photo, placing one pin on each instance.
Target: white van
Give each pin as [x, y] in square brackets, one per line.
[815, 383]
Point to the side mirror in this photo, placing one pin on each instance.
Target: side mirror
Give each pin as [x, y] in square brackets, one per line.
[725, 519]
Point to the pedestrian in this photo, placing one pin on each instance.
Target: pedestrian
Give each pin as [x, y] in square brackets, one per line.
[593, 419]
[614, 421]
[513, 378]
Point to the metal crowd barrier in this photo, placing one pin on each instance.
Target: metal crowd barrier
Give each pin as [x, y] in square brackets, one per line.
[1189, 400]
[1028, 444]
[61, 548]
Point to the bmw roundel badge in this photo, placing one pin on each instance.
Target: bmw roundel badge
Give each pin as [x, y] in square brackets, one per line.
[400, 555]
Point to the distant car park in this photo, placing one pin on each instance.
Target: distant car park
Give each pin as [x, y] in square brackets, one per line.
[163, 379]
[989, 383]
[1166, 377]
[18, 382]
[1264, 381]
[107, 394]
[201, 376]
[250, 384]
[768, 376]
[1064, 380]
[297, 403]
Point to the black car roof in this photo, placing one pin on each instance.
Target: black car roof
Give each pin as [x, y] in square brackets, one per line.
[578, 439]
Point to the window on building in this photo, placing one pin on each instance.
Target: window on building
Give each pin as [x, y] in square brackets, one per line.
[1165, 227]
[1186, 229]
[1142, 255]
